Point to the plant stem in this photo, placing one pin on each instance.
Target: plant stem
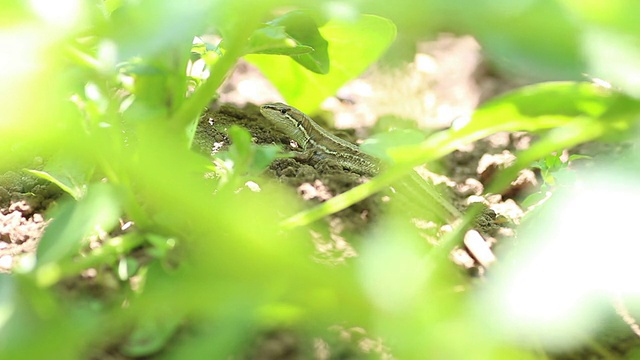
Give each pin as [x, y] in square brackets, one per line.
[190, 109]
[108, 253]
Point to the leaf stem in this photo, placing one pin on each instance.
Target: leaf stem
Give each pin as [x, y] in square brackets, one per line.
[190, 109]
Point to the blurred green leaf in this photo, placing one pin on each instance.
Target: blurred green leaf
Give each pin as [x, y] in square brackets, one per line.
[533, 199]
[603, 113]
[571, 113]
[236, 25]
[388, 123]
[556, 315]
[303, 28]
[139, 68]
[379, 144]
[237, 270]
[554, 162]
[242, 146]
[609, 40]
[160, 245]
[245, 156]
[151, 335]
[619, 14]
[111, 5]
[541, 106]
[151, 29]
[264, 156]
[72, 176]
[534, 37]
[99, 210]
[614, 57]
[355, 45]
[66, 184]
[31, 312]
[274, 40]
[567, 113]
[550, 167]
[28, 63]
[153, 87]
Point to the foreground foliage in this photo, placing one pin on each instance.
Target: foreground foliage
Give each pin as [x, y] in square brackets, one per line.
[100, 90]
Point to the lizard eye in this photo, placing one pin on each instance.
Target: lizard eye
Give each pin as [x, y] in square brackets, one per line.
[283, 111]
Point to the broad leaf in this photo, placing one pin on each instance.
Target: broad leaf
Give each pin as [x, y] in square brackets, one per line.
[274, 40]
[302, 27]
[353, 46]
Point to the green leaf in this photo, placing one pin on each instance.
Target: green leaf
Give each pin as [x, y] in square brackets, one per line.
[580, 106]
[539, 38]
[160, 245]
[153, 29]
[553, 162]
[533, 199]
[150, 90]
[240, 151]
[73, 221]
[264, 156]
[247, 157]
[302, 27]
[552, 165]
[111, 5]
[353, 46]
[241, 139]
[274, 40]
[548, 178]
[388, 123]
[151, 335]
[67, 184]
[202, 47]
[578, 156]
[379, 144]
[571, 113]
[609, 40]
[72, 176]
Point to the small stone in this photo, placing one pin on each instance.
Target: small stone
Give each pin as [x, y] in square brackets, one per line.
[21, 206]
[6, 262]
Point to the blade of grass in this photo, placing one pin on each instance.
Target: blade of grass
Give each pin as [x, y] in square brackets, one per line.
[577, 132]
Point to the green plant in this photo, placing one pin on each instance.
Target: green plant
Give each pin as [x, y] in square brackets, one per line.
[101, 90]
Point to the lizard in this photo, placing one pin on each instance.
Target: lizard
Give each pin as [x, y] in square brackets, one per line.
[310, 136]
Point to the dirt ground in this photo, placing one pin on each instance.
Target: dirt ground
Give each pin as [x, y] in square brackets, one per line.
[23, 201]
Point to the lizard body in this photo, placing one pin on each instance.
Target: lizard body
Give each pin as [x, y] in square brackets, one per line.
[311, 136]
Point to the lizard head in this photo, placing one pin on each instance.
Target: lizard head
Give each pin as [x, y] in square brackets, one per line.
[287, 119]
[279, 112]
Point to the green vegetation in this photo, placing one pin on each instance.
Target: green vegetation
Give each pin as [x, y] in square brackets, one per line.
[100, 91]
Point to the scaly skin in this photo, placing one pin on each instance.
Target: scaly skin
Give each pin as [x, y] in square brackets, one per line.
[311, 136]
